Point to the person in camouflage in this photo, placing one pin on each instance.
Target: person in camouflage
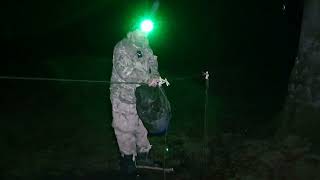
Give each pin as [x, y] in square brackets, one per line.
[133, 62]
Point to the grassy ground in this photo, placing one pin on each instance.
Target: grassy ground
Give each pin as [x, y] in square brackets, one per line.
[230, 157]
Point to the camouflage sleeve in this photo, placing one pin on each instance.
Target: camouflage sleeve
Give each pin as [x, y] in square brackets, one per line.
[153, 65]
[125, 67]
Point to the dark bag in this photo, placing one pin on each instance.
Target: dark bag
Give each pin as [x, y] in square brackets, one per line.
[153, 108]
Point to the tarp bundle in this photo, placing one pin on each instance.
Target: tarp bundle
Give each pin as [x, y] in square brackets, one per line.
[153, 108]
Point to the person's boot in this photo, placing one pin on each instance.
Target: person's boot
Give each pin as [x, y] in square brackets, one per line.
[128, 167]
[143, 159]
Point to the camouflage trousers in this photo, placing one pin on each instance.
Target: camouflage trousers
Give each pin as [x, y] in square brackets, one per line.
[129, 130]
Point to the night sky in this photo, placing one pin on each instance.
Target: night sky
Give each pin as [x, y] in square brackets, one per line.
[247, 46]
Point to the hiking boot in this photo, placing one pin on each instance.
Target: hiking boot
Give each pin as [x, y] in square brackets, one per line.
[127, 167]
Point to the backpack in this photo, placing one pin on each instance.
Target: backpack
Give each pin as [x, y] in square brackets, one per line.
[153, 109]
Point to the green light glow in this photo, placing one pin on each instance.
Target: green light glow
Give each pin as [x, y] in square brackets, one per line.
[146, 25]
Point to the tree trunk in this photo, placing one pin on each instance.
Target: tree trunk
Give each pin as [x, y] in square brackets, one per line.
[302, 108]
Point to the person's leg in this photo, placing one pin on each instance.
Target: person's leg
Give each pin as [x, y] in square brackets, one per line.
[126, 142]
[144, 147]
[143, 144]
[127, 147]
[124, 124]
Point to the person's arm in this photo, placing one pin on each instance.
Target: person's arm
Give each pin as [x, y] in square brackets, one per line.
[154, 73]
[153, 65]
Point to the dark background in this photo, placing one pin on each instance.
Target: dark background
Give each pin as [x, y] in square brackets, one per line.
[248, 47]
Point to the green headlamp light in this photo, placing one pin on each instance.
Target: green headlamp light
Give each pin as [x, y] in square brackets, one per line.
[146, 26]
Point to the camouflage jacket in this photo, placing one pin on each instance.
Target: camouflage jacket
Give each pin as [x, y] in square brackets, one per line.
[131, 64]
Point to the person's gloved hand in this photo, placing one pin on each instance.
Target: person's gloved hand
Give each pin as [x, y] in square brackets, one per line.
[153, 82]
